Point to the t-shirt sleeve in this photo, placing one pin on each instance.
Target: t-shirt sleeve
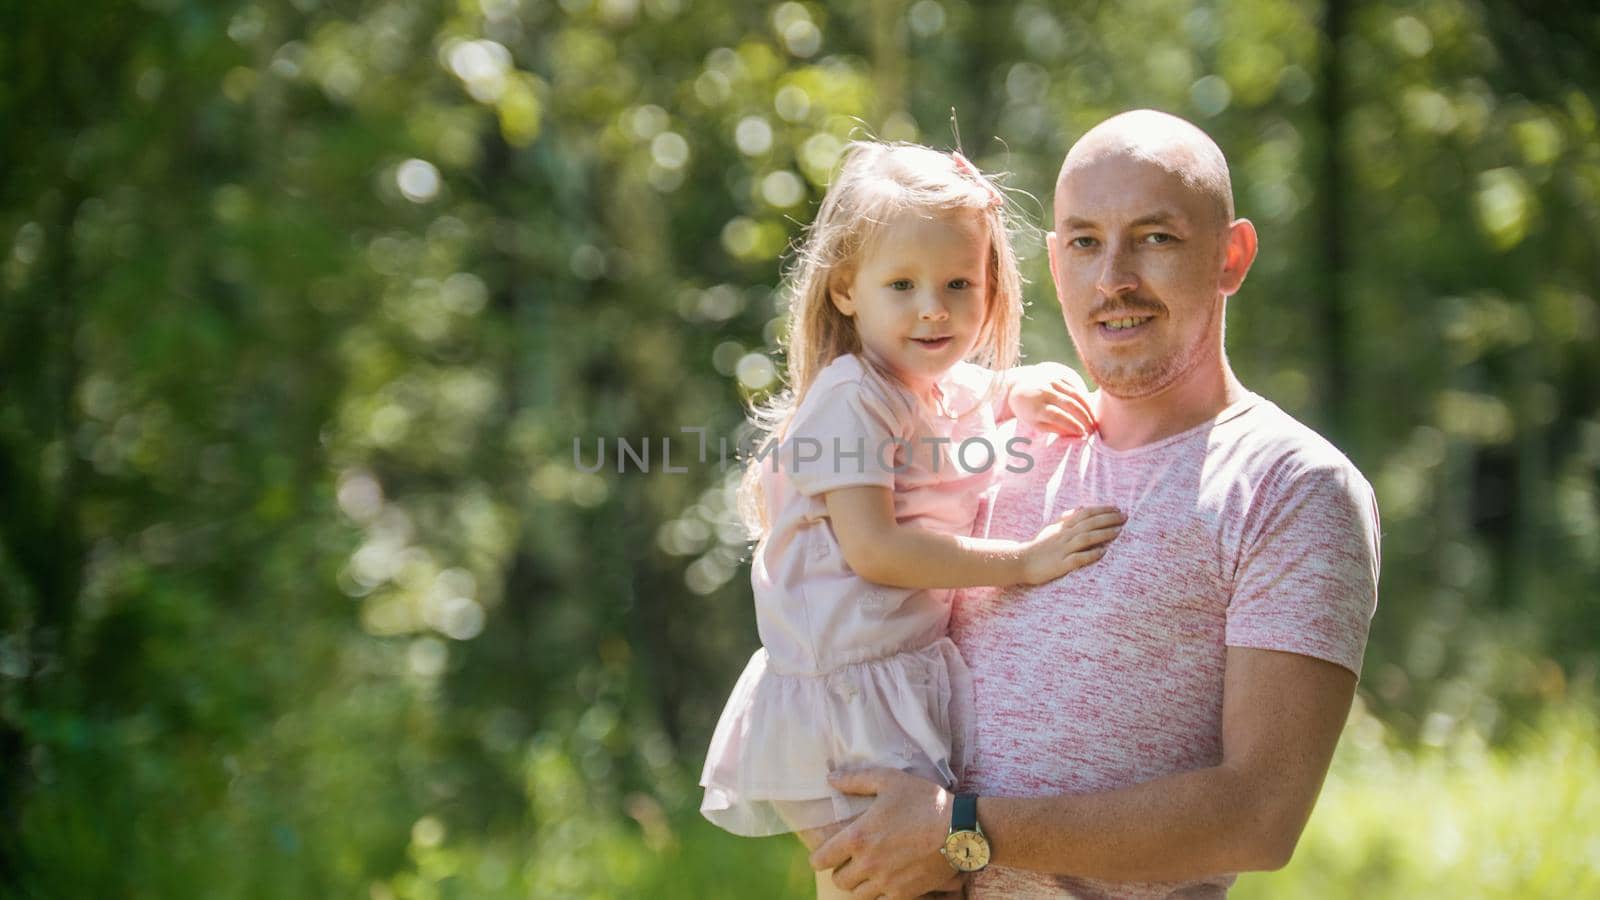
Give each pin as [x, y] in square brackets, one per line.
[845, 438]
[1307, 580]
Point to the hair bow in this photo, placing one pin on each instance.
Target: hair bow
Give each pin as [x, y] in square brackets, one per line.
[965, 166]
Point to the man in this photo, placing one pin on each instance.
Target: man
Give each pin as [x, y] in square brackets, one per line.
[1163, 718]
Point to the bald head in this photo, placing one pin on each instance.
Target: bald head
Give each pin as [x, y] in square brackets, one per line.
[1166, 141]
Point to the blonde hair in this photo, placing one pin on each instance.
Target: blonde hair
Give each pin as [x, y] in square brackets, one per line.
[876, 181]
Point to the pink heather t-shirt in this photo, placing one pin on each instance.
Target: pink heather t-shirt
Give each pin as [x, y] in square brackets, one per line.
[1249, 530]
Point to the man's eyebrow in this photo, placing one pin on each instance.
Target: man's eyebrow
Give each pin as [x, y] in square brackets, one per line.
[1158, 217]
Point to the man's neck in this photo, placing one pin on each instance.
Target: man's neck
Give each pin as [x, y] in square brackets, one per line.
[1126, 423]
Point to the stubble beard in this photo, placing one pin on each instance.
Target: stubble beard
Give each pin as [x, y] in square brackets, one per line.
[1139, 379]
[1135, 380]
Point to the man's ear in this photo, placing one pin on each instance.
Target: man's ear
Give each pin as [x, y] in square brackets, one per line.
[1050, 251]
[1240, 253]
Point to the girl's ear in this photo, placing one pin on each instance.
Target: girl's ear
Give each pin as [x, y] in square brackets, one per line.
[842, 301]
[990, 304]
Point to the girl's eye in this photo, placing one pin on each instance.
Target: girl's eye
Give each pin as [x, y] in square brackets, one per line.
[900, 284]
[1082, 243]
[960, 284]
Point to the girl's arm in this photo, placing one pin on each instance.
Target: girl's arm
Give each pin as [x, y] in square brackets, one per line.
[1047, 395]
[880, 549]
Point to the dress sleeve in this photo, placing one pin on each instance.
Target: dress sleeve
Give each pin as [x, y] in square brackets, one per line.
[986, 386]
[846, 436]
[1307, 580]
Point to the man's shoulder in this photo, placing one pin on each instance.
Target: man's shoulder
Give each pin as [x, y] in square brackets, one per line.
[1275, 446]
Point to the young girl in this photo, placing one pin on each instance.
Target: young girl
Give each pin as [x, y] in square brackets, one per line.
[869, 482]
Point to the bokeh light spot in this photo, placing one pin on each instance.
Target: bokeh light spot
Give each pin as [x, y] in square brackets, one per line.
[1210, 95]
[418, 180]
[756, 371]
[783, 189]
[926, 18]
[753, 136]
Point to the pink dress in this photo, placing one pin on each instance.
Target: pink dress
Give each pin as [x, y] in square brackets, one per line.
[853, 674]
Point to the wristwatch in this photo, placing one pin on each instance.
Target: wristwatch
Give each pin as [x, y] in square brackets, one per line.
[965, 846]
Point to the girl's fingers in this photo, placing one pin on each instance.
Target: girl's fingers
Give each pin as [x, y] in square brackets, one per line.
[1083, 558]
[1066, 388]
[1102, 520]
[1072, 517]
[1079, 407]
[1048, 418]
[1094, 522]
[1068, 409]
[1060, 421]
[1086, 539]
[1075, 516]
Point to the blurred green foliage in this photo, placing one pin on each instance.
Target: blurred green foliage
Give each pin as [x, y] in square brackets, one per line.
[304, 593]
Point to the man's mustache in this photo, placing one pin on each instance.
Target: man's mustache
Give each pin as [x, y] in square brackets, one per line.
[1128, 304]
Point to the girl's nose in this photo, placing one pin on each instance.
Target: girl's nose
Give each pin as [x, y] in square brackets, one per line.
[932, 308]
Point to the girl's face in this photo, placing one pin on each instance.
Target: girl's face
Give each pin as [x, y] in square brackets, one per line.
[920, 293]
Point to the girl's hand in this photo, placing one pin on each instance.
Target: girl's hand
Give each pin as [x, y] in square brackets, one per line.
[1071, 542]
[1052, 397]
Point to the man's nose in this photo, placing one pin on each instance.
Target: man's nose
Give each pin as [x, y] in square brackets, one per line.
[1117, 274]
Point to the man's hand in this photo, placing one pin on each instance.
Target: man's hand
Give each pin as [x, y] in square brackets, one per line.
[1051, 397]
[892, 849]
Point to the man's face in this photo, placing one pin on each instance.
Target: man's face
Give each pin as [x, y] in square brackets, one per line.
[1137, 257]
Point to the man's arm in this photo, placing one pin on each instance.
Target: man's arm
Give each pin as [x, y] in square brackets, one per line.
[1281, 718]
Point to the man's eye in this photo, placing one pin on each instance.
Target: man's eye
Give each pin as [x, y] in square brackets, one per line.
[1159, 237]
[960, 284]
[900, 284]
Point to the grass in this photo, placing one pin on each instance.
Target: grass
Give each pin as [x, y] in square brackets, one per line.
[1455, 820]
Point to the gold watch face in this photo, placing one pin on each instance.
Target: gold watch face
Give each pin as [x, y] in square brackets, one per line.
[967, 850]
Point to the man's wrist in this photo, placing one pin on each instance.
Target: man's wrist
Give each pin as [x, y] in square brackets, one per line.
[966, 847]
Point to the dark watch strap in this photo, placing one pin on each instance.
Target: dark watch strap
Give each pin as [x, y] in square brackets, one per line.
[964, 813]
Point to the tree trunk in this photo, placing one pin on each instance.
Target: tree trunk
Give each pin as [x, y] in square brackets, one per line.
[1332, 315]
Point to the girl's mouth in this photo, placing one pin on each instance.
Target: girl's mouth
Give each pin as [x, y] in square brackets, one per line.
[935, 343]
